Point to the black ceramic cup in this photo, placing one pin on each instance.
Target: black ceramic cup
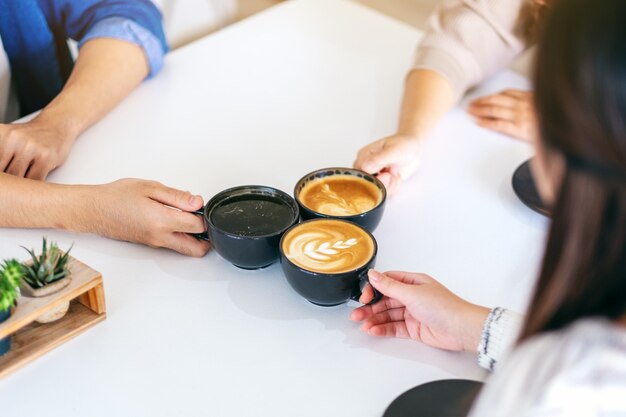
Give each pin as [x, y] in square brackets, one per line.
[368, 219]
[327, 288]
[245, 224]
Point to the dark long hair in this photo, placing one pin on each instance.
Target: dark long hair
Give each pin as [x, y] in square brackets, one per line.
[580, 96]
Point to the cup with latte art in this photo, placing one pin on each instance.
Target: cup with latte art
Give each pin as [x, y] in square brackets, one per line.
[326, 260]
[341, 193]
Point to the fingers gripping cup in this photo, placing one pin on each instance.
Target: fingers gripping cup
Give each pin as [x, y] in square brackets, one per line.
[326, 261]
[342, 193]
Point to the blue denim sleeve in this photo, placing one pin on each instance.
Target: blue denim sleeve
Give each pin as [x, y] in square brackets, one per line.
[127, 30]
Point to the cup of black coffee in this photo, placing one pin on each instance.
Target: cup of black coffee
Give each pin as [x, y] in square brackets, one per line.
[326, 261]
[245, 224]
[342, 193]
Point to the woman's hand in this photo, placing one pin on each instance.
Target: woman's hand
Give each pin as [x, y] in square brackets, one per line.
[427, 97]
[144, 212]
[415, 306]
[511, 112]
[393, 158]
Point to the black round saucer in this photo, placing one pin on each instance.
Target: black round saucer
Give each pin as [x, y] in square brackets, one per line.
[524, 187]
[445, 398]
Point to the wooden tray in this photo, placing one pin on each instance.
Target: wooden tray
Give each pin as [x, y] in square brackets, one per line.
[31, 339]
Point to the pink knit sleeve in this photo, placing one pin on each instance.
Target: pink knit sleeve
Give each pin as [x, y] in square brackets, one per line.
[469, 40]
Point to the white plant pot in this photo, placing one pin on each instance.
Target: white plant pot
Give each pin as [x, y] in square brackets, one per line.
[54, 314]
[57, 312]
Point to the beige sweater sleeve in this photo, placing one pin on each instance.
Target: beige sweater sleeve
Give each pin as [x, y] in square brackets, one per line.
[469, 40]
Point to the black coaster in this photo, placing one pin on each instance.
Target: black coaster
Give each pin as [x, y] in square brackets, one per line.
[445, 398]
[524, 187]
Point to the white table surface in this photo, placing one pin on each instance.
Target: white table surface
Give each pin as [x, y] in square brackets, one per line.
[299, 87]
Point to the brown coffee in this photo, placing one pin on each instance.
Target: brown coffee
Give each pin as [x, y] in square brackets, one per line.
[340, 195]
[328, 246]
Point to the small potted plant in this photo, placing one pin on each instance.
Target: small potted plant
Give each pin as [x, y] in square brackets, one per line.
[10, 275]
[47, 274]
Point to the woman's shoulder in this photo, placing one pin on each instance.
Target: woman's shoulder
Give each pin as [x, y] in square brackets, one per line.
[589, 345]
[579, 370]
[583, 368]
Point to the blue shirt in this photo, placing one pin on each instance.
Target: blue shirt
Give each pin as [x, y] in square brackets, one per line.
[35, 33]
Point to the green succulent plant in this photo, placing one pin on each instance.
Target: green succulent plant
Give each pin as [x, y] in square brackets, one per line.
[48, 267]
[11, 273]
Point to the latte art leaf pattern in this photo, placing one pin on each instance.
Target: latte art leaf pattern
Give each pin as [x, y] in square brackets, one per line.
[324, 250]
[330, 246]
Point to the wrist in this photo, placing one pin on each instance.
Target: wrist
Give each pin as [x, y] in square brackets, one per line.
[410, 131]
[65, 125]
[472, 329]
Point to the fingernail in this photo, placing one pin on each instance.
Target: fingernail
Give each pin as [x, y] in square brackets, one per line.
[374, 275]
[194, 199]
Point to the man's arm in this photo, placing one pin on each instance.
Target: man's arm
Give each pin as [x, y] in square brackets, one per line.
[120, 43]
[106, 71]
[133, 210]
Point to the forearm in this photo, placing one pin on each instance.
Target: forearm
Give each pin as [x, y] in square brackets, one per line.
[26, 203]
[106, 71]
[427, 97]
[132, 210]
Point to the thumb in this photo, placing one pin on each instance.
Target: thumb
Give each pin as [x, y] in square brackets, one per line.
[172, 197]
[390, 287]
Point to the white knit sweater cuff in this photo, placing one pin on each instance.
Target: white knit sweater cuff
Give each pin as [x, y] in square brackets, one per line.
[499, 333]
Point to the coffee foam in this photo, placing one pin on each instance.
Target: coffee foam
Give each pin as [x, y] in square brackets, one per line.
[328, 246]
[340, 195]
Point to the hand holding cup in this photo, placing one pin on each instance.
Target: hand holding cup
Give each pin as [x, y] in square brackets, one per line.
[418, 307]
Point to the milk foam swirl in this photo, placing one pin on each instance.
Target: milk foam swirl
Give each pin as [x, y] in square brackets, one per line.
[340, 195]
[328, 246]
[330, 203]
